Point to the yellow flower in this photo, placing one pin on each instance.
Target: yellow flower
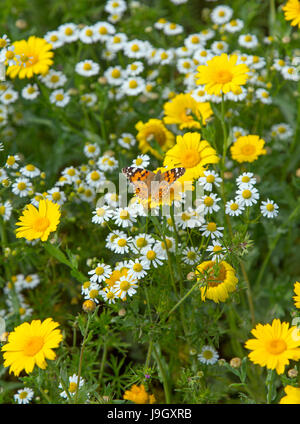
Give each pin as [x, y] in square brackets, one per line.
[138, 394]
[219, 279]
[221, 74]
[297, 292]
[292, 396]
[34, 57]
[191, 153]
[31, 344]
[292, 12]
[185, 111]
[274, 345]
[154, 131]
[247, 148]
[38, 223]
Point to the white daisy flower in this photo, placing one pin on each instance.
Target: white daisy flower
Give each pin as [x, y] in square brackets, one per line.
[191, 255]
[59, 97]
[115, 6]
[269, 208]
[237, 132]
[208, 355]
[202, 55]
[290, 73]
[219, 47]
[120, 244]
[221, 14]
[263, 95]
[234, 208]
[138, 268]
[194, 42]
[210, 179]
[127, 285]
[165, 246]
[24, 396]
[135, 49]
[135, 68]
[30, 171]
[71, 174]
[108, 294]
[142, 161]
[210, 203]
[107, 163]
[6, 210]
[56, 196]
[171, 28]
[116, 42]
[216, 251]
[88, 35]
[9, 96]
[102, 214]
[199, 94]
[152, 256]
[248, 40]
[185, 65]
[188, 219]
[282, 131]
[133, 86]
[115, 75]
[30, 281]
[30, 92]
[68, 32]
[124, 217]
[235, 25]
[91, 150]
[54, 38]
[127, 140]
[87, 68]
[54, 79]
[210, 229]
[104, 30]
[247, 196]
[142, 242]
[95, 178]
[89, 99]
[92, 293]
[246, 179]
[73, 386]
[22, 187]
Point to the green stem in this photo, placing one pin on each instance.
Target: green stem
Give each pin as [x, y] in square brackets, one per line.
[81, 357]
[249, 293]
[163, 375]
[104, 356]
[270, 386]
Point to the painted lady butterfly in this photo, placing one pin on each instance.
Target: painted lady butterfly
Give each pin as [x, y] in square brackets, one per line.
[149, 185]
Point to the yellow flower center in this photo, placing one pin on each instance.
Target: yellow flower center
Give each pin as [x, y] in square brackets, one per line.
[59, 97]
[137, 267]
[133, 84]
[99, 270]
[110, 295]
[30, 167]
[207, 354]
[102, 30]
[41, 224]
[33, 345]
[151, 255]
[276, 346]
[223, 76]
[100, 212]
[246, 194]
[125, 285]
[9, 55]
[89, 32]
[2, 43]
[208, 201]
[56, 196]
[210, 178]
[195, 39]
[211, 226]
[215, 280]
[124, 214]
[141, 242]
[248, 38]
[190, 158]
[10, 160]
[94, 293]
[115, 73]
[217, 249]
[2, 210]
[54, 78]
[117, 39]
[191, 255]
[68, 31]
[248, 150]
[135, 48]
[234, 206]
[72, 387]
[270, 207]
[95, 176]
[30, 90]
[245, 179]
[87, 66]
[53, 38]
[21, 186]
[122, 242]
[23, 395]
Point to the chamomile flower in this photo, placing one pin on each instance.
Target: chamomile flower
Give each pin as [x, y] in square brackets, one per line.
[24, 396]
[248, 41]
[235, 25]
[142, 243]
[5, 210]
[210, 203]
[191, 255]
[104, 30]
[171, 28]
[71, 174]
[102, 214]
[88, 35]
[120, 244]
[194, 42]
[89, 99]
[56, 195]
[185, 65]
[199, 94]
[116, 42]
[54, 79]
[133, 86]
[152, 256]
[208, 355]
[290, 73]
[54, 38]
[124, 217]
[188, 219]
[30, 171]
[115, 75]
[210, 179]
[115, 6]
[100, 273]
[68, 32]
[216, 251]
[91, 150]
[73, 386]
[22, 187]
[219, 47]
[263, 95]
[126, 140]
[135, 68]
[245, 180]
[269, 208]
[164, 246]
[135, 49]
[9, 96]
[30, 281]
[202, 55]
[107, 163]
[247, 196]
[95, 178]
[234, 208]
[282, 131]
[141, 161]
[87, 68]
[108, 294]
[30, 92]
[221, 14]
[125, 286]
[59, 97]
[138, 268]
[210, 229]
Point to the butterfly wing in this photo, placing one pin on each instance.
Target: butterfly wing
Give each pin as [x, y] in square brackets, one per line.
[141, 180]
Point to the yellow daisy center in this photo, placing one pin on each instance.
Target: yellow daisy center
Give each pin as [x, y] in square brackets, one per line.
[72, 387]
[248, 149]
[223, 76]
[208, 201]
[270, 207]
[190, 158]
[151, 255]
[211, 226]
[125, 285]
[99, 270]
[137, 267]
[41, 224]
[276, 346]
[246, 194]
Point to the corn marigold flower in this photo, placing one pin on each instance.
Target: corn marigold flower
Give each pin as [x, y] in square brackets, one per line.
[292, 12]
[247, 148]
[219, 280]
[38, 223]
[274, 345]
[154, 131]
[34, 57]
[184, 111]
[292, 396]
[31, 344]
[138, 394]
[191, 153]
[222, 74]
[297, 293]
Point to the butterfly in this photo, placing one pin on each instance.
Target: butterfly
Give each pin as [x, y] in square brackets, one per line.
[149, 185]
